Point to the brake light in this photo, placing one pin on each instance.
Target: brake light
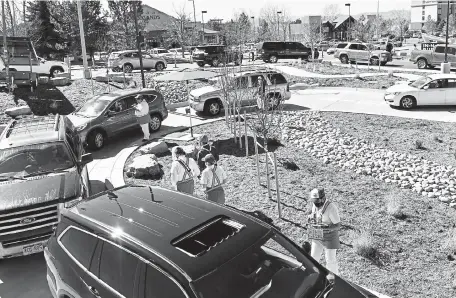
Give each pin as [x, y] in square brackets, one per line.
[288, 87]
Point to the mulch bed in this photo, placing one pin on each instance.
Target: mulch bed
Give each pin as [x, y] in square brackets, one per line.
[412, 259]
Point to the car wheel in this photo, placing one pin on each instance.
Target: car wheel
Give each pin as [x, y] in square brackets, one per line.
[96, 140]
[215, 62]
[374, 61]
[155, 123]
[159, 66]
[408, 102]
[273, 59]
[200, 64]
[55, 71]
[128, 68]
[212, 107]
[344, 59]
[421, 63]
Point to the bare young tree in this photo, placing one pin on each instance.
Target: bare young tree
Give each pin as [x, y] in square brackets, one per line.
[278, 23]
[401, 19]
[331, 12]
[179, 27]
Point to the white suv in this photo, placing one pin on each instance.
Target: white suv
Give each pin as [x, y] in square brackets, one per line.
[209, 99]
[358, 52]
[129, 61]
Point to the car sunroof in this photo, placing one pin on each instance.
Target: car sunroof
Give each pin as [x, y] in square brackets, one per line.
[200, 240]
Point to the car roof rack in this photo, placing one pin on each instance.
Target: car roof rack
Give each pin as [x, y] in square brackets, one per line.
[34, 124]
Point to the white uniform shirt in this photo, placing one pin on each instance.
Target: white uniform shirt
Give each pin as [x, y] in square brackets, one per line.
[330, 216]
[178, 171]
[142, 109]
[207, 176]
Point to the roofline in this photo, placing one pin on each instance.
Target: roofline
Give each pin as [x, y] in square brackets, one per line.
[135, 241]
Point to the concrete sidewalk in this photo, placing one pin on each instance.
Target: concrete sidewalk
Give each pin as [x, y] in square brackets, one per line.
[299, 72]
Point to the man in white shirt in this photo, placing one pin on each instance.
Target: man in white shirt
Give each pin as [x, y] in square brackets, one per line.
[183, 171]
[142, 115]
[213, 185]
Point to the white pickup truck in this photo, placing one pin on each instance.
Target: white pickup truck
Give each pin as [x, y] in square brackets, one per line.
[431, 59]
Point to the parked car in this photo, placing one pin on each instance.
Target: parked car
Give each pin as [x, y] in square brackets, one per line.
[215, 55]
[430, 59]
[323, 46]
[108, 114]
[129, 61]
[435, 89]
[178, 51]
[144, 241]
[358, 52]
[101, 56]
[42, 170]
[272, 51]
[209, 99]
[341, 45]
[160, 52]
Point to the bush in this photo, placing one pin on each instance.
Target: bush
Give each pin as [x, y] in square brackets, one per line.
[364, 245]
[394, 205]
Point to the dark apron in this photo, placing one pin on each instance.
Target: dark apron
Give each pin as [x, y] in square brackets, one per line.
[216, 193]
[331, 238]
[187, 184]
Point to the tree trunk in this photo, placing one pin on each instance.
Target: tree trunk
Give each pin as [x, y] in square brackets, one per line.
[268, 175]
[8, 7]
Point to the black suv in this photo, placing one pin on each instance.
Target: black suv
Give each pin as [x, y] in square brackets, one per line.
[42, 168]
[271, 51]
[215, 55]
[144, 242]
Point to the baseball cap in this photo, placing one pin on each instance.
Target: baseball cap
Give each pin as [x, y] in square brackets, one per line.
[209, 158]
[204, 139]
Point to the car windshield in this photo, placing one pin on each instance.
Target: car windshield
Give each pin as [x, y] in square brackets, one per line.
[34, 159]
[420, 82]
[273, 266]
[95, 106]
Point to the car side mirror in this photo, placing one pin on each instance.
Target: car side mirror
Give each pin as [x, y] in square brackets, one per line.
[426, 87]
[85, 159]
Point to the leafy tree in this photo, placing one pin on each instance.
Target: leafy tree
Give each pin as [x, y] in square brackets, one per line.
[430, 25]
[263, 30]
[361, 29]
[123, 26]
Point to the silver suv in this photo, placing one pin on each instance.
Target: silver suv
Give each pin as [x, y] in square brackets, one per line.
[359, 52]
[129, 61]
[209, 99]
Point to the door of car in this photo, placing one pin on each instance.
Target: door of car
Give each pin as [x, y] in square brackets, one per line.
[118, 271]
[450, 98]
[155, 104]
[148, 61]
[117, 116]
[134, 60]
[353, 52]
[434, 93]
[291, 50]
[74, 262]
[438, 56]
[302, 50]
[363, 53]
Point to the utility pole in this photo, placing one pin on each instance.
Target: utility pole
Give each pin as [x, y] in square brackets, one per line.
[84, 51]
[378, 19]
[446, 42]
[138, 44]
[194, 24]
[5, 46]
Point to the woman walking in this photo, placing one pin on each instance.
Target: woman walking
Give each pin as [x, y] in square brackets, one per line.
[183, 171]
[142, 115]
[213, 178]
[325, 216]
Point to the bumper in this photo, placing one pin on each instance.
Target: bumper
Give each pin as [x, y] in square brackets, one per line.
[391, 99]
[197, 106]
[18, 251]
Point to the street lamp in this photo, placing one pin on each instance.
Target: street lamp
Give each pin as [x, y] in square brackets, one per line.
[202, 18]
[278, 24]
[349, 21]
[194, 16]
[446, 41]
[254, 31]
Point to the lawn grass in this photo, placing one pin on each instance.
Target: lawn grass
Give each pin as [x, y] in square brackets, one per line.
[404, 257]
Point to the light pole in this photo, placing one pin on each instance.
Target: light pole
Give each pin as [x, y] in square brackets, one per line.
[81, 32]
[349, 21]
[194, 24]
[254, 31]
[278, 24]
[202, 18]
[138, 43]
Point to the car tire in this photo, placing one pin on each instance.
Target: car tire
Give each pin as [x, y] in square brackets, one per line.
[273, 59]
[212, 107]
[128, 68]
[155, 123]
[200, 64]
[374, 61]
[159, 66]
[421, 63]
[343, 59]
[96, 139]
[408, 102]
[215, 62]
[55, 70]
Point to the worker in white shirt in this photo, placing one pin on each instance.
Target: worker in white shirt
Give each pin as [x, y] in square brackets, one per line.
[213, 178]
[142, 115]
[325, 213]
[183, 172]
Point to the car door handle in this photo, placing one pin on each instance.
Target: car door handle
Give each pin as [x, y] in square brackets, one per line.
[94, 291]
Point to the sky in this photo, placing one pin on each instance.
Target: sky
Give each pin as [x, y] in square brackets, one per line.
[224, 9]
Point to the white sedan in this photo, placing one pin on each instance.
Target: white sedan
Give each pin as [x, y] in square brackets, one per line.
[435, 89]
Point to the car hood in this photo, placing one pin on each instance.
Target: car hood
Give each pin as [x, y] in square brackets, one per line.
[78, 120]
[39, 189]
[400, 88]
[345, 289]
[204, 90]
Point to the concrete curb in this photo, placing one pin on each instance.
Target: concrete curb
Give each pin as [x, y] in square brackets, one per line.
[177, 105]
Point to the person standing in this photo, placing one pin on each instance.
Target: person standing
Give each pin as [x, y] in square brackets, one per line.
[183, 171]
[204, 149]
[261, 93]
[142, 115]
[213, 178]
[325, 214]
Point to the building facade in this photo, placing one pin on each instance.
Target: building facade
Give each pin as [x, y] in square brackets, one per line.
[421, 10]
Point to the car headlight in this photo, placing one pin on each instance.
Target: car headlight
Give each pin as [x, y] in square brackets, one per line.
[81, 127]
[195, 99]
[396, 93]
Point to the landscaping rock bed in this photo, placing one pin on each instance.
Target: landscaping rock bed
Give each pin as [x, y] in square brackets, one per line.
[316, 135]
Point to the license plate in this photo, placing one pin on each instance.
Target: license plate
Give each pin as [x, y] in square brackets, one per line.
[316, 234]
[35, 248]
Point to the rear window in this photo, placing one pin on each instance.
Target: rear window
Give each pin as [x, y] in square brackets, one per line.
[277, 78]
[341, 45]
[200, 240]
[273, 45]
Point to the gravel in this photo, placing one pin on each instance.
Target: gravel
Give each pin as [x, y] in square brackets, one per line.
[413, 260]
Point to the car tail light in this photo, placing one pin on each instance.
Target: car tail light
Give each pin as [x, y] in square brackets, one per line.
[288, 87]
